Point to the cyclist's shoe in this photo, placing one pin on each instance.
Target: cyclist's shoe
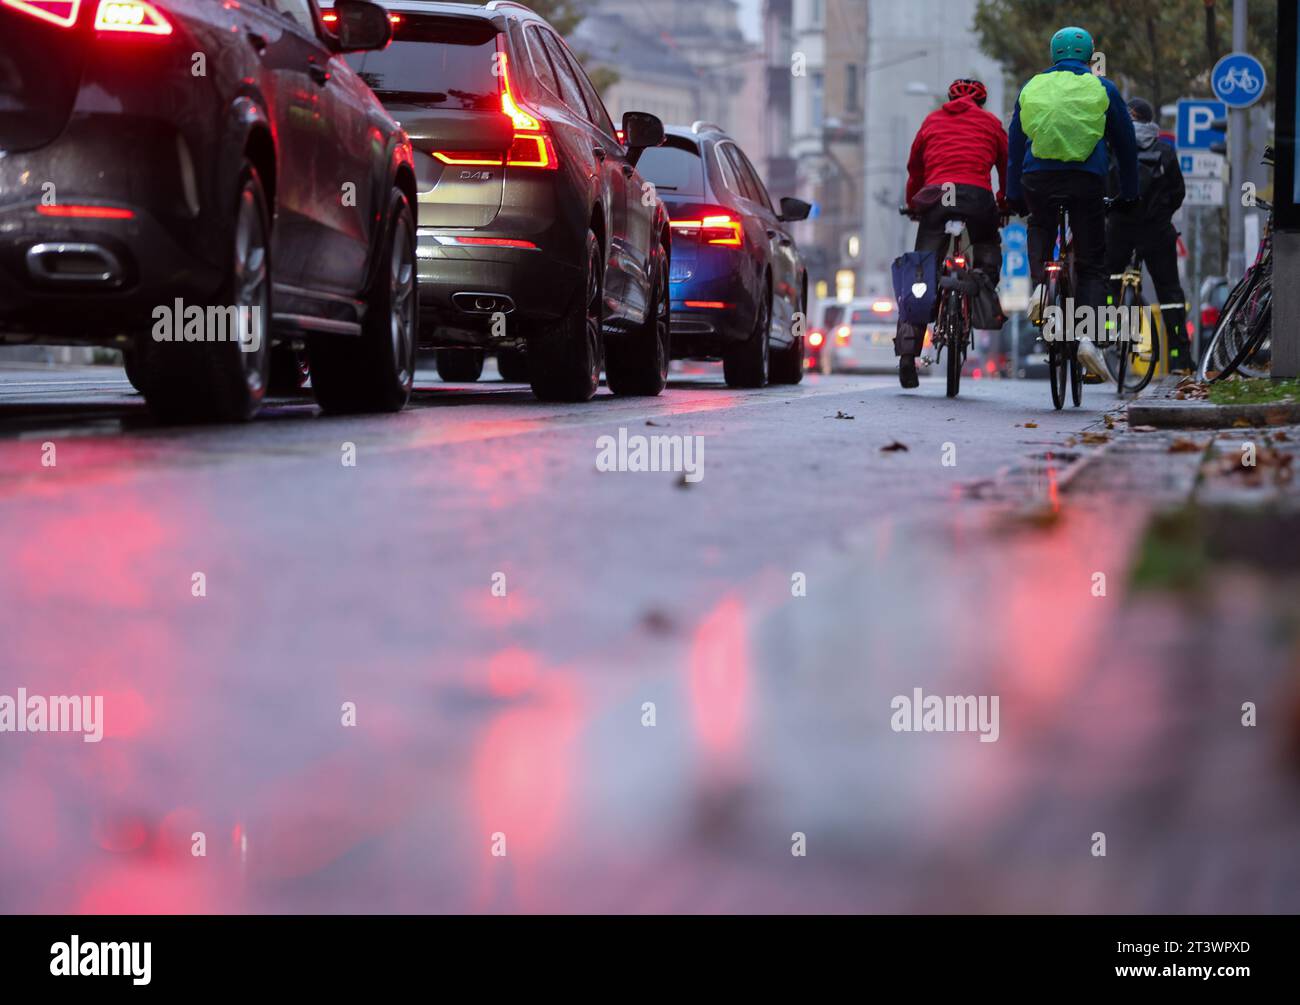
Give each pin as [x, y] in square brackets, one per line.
[1093, 361]
[1036, 305]
[907, 372]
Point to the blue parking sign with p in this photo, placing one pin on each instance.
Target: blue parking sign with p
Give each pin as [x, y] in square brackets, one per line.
[1196, 123]
[1015, 250]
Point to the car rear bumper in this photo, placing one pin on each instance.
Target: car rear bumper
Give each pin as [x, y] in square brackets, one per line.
[89, 281]
[70, 277]
[461, 287]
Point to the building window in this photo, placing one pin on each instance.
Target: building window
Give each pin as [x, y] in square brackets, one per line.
[851, 87]
[817, 83]
[818, 13]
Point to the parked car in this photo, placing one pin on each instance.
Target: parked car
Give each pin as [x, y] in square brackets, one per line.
[823, 317]
[206, 157]
[737, 279]
[535, 238]
[861, 339]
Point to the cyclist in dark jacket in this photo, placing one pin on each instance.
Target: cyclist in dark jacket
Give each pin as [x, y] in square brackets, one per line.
[1150, 229]
[1064, 121]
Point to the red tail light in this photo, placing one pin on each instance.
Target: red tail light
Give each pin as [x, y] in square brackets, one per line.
[1209, 316]
[842, 334]
[134, 17]
[815, 338]
[715, 226]
[531, 147]
[87, 212]
[59, 12]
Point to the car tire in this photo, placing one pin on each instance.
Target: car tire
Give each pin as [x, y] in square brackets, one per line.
[787, 364]
[512, 364]
[564, 359]
[460, 366]
[208, 381]
[375, 372]
[636, 363]
[131, 364]
[288, 371]
[746, 365]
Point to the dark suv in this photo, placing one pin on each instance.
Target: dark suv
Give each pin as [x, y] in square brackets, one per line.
[171, 167]
[537, 238]
[737, 279]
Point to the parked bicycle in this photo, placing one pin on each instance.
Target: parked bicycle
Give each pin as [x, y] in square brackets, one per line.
[1133, 354]
[1242, 340]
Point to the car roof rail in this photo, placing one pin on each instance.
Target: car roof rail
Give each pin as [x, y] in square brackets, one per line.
[702, 126]
[495, 4]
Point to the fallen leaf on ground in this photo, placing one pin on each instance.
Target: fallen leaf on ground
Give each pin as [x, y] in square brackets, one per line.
[651, 422]
[895, 445]
[1183, 445]
[1031, 425]
[1141, 429]
[841, 415]
[1094, 438]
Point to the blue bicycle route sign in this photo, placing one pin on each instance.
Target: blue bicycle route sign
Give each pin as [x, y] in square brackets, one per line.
[1238, 79]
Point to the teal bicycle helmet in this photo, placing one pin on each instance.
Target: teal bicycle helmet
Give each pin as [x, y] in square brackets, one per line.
[1071, 43]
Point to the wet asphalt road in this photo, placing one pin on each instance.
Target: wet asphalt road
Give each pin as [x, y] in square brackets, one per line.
[500, 758]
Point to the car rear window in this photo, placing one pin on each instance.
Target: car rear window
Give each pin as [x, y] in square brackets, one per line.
[675, 167]
[439, 61]
[832, 315]
[866, 316]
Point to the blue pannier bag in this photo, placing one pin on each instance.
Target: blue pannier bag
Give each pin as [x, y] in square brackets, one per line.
[916, 286]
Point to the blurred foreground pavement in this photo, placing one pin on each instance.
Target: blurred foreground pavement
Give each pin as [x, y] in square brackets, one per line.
[516, 723]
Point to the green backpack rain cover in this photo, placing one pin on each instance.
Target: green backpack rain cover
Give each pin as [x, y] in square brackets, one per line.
[1064, 114]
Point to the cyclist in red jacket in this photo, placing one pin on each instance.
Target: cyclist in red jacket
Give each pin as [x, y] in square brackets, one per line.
[953, 155]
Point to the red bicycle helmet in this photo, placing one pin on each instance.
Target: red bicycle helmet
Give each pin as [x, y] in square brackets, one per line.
[964, 88]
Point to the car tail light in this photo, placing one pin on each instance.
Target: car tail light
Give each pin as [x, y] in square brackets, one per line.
[715, 226]
[1209, 316]
[842, 334]
[493, 242]
[712, 305]
[87, 212]
[882, 307]
[959, 262]
[815, 338]
[531, 147]
[331, 19]
[135, 17]
[1053, 266]
[58, 12]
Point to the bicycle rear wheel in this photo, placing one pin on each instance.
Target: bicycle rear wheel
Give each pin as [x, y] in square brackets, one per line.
[1228, 339]
[1076, 375]
[954, 340]
[1058, 362]
[1142, 350]
[1254, 359]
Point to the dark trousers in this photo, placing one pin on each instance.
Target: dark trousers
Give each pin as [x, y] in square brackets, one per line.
[1157, 248]
[979, 209]
[1084, 196]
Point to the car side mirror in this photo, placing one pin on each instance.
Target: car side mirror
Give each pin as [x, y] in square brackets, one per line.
[361, 26]
[641, 130]
[793, 210]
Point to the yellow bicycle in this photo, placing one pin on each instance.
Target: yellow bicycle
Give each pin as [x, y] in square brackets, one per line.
[1135, 334]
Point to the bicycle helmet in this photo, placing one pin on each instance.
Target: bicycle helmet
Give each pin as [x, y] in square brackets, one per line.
[1071, 43]
[966, 88]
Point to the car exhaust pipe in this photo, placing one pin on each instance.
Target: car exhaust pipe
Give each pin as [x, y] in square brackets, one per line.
[483, 303]
[74, 264]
